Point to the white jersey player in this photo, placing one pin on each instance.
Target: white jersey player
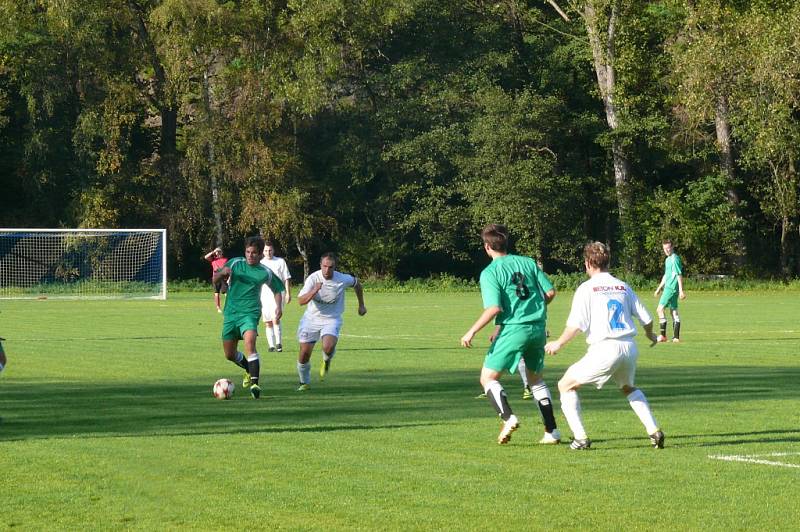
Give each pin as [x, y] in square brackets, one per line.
[604, 307]
[272, 325]
[323, 292]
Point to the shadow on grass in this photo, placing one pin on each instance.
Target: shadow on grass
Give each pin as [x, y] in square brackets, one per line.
[363, 400]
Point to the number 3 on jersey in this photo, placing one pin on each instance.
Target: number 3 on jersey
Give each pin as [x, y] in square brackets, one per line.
[614, 313]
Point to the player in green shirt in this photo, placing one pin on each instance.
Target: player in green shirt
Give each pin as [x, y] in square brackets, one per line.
[515, 295]
[672, 283]
[243, 308]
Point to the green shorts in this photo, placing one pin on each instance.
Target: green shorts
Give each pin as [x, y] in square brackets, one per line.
[669, 299]
[234, 327]
[515, 342]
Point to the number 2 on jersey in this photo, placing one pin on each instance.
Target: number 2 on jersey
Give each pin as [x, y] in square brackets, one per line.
[615, 311]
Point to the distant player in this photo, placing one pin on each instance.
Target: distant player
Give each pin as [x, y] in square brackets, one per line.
[3, 359]
[272, 325]
[604, 307]
[515, 295]
[217, 260]
[243, 308]
[672, 282]
[323, 292]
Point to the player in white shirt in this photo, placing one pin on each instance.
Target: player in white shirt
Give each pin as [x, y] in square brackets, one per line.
[272, 325]
[323, 292]
[604, 307]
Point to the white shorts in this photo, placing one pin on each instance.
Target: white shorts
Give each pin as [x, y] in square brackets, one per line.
[268, 307]
[309, 332]
[604, 360]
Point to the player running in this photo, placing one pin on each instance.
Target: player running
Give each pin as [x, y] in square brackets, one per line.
[672, 282]
[603, 307]
[245, 277]
[272, 325]
[515, 295]
[323, 292]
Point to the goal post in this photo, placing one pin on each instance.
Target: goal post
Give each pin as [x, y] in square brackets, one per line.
[83, 263]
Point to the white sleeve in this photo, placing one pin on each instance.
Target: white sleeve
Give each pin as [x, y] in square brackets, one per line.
[639, 309]
[579, 313]
[308, 285]
[285, 270]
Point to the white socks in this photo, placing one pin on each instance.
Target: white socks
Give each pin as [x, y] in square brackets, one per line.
[571, 406]
[640, 405]
[541, 391]
[270, 335]
[278, 333]
[523, 372]
[304, 372]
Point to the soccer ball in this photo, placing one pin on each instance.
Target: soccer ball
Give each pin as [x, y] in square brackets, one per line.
[223, 389]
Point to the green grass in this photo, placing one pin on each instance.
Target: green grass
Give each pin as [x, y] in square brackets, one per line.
[108, 422]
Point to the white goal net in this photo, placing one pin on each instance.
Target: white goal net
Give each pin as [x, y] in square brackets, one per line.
[83, 263]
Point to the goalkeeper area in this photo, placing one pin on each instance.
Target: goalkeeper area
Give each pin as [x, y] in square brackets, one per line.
[83, 263]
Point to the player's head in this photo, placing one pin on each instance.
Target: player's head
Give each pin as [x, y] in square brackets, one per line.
[666, 245]
[269, 250]
[495, 237]
[253, 249]
[597, 256]
[218, 252]
[327, 263]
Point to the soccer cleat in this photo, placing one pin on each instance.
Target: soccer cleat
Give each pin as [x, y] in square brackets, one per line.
[324, 368]
[271, 349]
[676, 340]
[246, 382]
[508, 427]
[661, 338]
[526, 394]
[481, 396]
[657, 439]
[551, 438]
[219, 311]
[303, 387]
[255, 391]
[279, 348]
[580, 445]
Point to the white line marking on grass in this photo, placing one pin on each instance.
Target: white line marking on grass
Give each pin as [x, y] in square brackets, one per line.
[754, 459]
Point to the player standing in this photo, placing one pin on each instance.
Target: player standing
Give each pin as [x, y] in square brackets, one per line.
[243, 307]
[272, 324]
[672, 282]
[217, 260]
[603, 307]
[515, 294]
[323, 292]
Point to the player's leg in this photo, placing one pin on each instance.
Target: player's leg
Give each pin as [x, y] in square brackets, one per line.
[268, 315]
[499, 401]
[662, 323]
[270, 334]
[231, 353]
[329, 342]
[676, 324]
[624, 375]
[304, 365]
[277, 329]
[216, 301]
[526, 383]
[571, 407]
[253, 361]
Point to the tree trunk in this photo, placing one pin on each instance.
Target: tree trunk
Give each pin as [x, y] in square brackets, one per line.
[303, 253]
[215, 206]
[728, 168]
[603, 54]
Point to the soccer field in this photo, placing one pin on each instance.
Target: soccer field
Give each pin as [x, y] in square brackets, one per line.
[108, 422]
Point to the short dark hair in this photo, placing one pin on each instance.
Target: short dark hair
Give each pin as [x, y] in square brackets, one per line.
[597, 255]
[254, 241]
[496, 236]
[328, 255]
[666, 241]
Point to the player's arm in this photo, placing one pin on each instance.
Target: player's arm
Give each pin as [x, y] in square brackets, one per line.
[660, 285]
[278, 306]
[681, 293]
[288, 291]
[549, 296]
[489, 313]
[359, 290]
[648, 330]
[551, 348]
[208, 256]
[304, 297]
[221, 275]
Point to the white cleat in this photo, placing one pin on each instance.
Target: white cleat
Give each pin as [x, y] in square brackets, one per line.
[551, 438]
[508, 427]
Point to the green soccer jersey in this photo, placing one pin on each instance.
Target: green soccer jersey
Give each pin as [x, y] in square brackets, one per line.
[517, 286]
[672, 269]
[244, 292]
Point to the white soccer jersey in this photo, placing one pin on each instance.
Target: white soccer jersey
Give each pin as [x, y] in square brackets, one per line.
[603, 307]
[328, 303]
[278, 266]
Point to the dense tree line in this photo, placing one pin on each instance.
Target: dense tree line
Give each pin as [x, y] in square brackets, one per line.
[392, 130]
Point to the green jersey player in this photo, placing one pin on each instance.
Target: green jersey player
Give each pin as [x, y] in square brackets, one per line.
[515, 295]
[672, 283]
[245, 277]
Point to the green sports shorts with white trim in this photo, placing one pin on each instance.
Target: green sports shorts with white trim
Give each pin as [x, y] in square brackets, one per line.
[669, 299]
[234, 327]
[524, 340]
